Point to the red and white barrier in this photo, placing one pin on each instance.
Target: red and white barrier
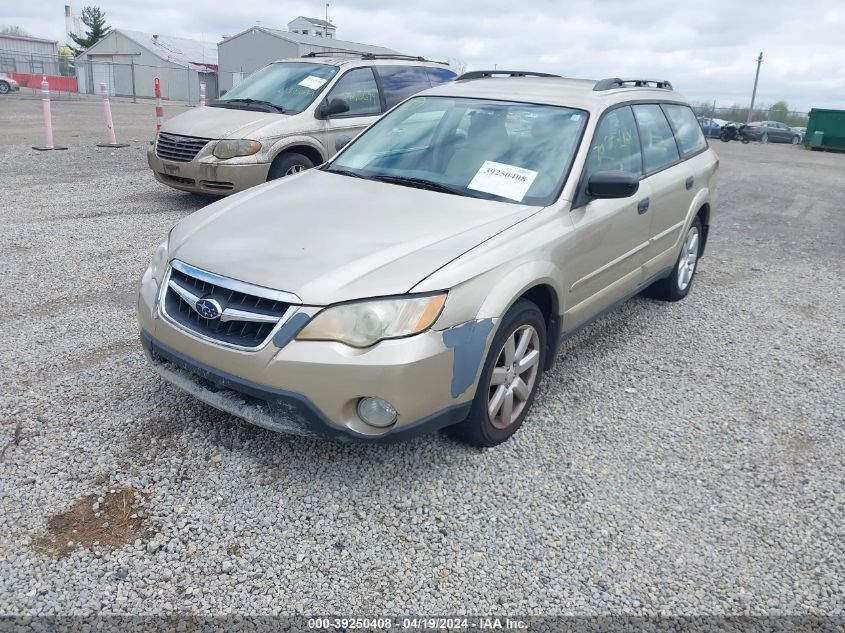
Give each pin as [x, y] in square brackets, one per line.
[159, 109]
[202, 93]
[48, 120]
[109, 122]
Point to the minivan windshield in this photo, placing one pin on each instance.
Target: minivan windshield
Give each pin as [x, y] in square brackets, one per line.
[499, 150]
[288, 87]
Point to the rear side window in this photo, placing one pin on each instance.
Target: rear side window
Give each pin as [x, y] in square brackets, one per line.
[616, 144]
[659, 147]
[439, 76]
[358, 88]
[400, 82]
[687, 131]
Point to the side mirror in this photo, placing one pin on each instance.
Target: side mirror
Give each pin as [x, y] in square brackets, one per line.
[335, 106]
[341, 142]
[613, 184]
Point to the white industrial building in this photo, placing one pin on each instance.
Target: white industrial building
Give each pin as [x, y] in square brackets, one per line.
[128, 62]
[249, 50]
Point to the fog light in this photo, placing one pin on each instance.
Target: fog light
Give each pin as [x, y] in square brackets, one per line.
[376, 412]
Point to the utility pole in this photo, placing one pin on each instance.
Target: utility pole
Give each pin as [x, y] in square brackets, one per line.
[327, 19]
[754, 93]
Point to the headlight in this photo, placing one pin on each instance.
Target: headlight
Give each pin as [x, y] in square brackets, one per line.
[365, 323]
[159, 262]
[230, 149]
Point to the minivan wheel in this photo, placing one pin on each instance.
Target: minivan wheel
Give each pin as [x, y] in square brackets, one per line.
[288, 164]
[4, 87]
[677, 285]
[509, 379]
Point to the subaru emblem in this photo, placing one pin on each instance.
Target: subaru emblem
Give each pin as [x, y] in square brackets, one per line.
[208, 308]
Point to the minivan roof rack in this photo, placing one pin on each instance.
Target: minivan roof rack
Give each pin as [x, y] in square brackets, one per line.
[486, 74]
[362, 55]
[615, 82]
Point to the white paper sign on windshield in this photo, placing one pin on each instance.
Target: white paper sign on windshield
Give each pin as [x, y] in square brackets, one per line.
[503, 180]
[312, 82]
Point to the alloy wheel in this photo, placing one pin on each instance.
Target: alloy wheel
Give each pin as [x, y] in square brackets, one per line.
[514, 376]
[689, 258]
[294, 169]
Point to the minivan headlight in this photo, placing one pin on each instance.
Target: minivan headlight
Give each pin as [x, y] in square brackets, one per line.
[365, 323]
[237, 147]
[159, 262]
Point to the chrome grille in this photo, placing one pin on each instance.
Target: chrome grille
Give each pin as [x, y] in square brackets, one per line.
[249, 314]
[182, 149]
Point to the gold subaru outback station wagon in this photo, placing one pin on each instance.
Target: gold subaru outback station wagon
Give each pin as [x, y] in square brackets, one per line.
[426, 276]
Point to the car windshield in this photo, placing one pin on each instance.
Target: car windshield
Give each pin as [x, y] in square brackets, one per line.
[286, 86]
[499, 150]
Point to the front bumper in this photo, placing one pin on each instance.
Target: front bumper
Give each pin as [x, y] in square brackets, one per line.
[313, 387]
[207, 174]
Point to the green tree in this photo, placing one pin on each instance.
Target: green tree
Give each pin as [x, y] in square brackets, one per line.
[12, 29]
[95, 19]
[780, 110]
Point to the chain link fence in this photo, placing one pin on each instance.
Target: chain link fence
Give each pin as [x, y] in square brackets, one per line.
[71, 78]
[738, 114]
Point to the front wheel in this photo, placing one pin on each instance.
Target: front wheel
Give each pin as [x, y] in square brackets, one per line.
[288, 164]
[677, 285]
[765, 138]
[796, 139]
[4, 87]
[725, 136]
[509, 379]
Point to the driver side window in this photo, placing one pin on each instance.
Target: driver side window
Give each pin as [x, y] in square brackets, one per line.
[358, 88]
[616, 144]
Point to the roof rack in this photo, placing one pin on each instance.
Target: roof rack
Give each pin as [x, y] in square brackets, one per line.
[369, 56]
[615, 82]
[486, 74]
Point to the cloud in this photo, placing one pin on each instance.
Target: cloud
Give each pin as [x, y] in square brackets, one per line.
[706, 48]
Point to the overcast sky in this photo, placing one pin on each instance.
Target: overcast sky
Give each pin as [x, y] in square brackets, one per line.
[707, 48]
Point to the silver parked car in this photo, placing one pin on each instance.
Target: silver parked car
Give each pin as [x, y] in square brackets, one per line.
[426, 277]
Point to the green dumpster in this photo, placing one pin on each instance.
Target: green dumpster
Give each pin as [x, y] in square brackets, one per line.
[826, 130]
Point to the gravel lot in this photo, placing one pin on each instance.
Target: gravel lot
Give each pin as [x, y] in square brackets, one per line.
[683, 459]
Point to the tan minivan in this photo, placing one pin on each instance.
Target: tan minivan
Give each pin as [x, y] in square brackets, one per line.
[427, 275]
[284, 118]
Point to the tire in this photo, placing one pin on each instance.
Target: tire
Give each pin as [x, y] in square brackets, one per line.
[523, 319]
[796, 140]
[745, 141]
[287, 164]
[679, 282]
[725, 136]
[765, 138]
[4, 87]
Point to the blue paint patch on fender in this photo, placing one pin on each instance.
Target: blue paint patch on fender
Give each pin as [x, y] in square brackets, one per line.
[290, 329]
[468, 342]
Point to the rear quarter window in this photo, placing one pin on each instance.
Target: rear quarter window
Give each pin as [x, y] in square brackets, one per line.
[400, 82]
[687, 131]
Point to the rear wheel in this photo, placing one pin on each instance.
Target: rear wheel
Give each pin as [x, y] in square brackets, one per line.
[288, 164]
[509, 379]
[4, 87]
[677, 285]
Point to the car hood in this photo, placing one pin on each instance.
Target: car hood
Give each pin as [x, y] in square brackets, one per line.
[328, 238]
[209, 122]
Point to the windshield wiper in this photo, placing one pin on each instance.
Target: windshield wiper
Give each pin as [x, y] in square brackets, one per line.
[420, 183]
[259, 102]
[345, 172]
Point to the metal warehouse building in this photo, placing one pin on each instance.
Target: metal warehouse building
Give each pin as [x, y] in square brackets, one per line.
[249, 50]
[129, 61]
[26, 58]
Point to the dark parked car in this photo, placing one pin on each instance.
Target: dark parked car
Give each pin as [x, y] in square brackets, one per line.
[711, 127]
[772, 131]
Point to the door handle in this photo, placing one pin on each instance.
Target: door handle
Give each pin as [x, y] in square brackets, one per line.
[642, 207]
[690, 182]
